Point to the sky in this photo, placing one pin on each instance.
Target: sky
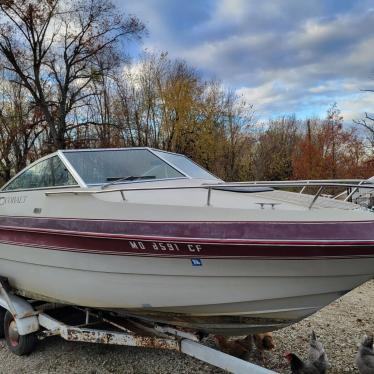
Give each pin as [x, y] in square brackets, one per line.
[282, 56]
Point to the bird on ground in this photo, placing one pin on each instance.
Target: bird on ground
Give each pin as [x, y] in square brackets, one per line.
[237, 348]
[246, 342]
[317, 359]
[242, 347]
[300, 367]
[317, 354]
[264, 342]
[365, 356]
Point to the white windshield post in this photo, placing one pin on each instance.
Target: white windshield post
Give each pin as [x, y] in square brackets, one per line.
[71, 169]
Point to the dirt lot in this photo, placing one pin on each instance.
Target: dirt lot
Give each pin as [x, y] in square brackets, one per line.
[340, 327]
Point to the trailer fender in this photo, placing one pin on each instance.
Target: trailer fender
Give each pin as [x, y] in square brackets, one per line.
[22, 311]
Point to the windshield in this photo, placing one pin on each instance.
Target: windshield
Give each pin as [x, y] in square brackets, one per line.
[47, 173]
[186, 165]
[106, 166]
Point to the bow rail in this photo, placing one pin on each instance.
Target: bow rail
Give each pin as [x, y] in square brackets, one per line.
[351, 186]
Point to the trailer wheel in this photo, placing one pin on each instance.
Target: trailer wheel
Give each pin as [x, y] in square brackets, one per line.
[18, 344]
[2, 316]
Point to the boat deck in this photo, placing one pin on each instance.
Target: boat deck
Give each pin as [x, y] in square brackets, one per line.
[304, 200]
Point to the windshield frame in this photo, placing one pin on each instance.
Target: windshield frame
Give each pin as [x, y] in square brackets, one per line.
[68, 166]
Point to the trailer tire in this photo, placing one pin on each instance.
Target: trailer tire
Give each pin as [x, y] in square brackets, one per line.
[17, 344]
[2, 317]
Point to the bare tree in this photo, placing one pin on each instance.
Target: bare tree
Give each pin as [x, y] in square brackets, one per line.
[53, 47]
[165, 103]
[274, 149]
[368, 123]
[20, 129]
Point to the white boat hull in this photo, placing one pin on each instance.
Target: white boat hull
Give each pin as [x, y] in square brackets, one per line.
[214, 260]
[268, 294]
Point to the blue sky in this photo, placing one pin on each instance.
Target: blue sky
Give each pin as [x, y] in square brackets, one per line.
[283, 56]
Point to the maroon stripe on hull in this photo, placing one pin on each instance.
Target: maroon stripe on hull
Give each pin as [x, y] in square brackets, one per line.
[279, 231]
[179, 248]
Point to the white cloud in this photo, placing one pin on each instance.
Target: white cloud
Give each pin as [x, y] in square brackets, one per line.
[230, 11]
[262, 95]
[353, 107]
[282, 56]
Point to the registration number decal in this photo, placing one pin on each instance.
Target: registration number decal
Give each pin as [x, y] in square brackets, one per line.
[166, 246]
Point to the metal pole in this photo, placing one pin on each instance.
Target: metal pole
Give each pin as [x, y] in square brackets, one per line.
[222, 360]
[353, 192]
[316, 197]
[303, 189]
[123, 195]
[209, 195]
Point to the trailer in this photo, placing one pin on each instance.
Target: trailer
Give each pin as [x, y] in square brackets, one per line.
[23, 322]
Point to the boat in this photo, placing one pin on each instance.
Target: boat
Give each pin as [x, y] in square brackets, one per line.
[147, 233]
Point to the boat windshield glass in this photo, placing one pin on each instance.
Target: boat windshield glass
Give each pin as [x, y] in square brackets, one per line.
[106, 166]
[186, 165]
[47, 173]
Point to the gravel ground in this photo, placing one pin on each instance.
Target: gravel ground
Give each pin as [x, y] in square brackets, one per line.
[340, 327]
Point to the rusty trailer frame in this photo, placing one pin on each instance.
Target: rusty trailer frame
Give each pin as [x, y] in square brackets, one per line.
[38, 320]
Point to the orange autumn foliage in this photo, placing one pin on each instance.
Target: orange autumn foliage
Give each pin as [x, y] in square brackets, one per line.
[327, 151]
